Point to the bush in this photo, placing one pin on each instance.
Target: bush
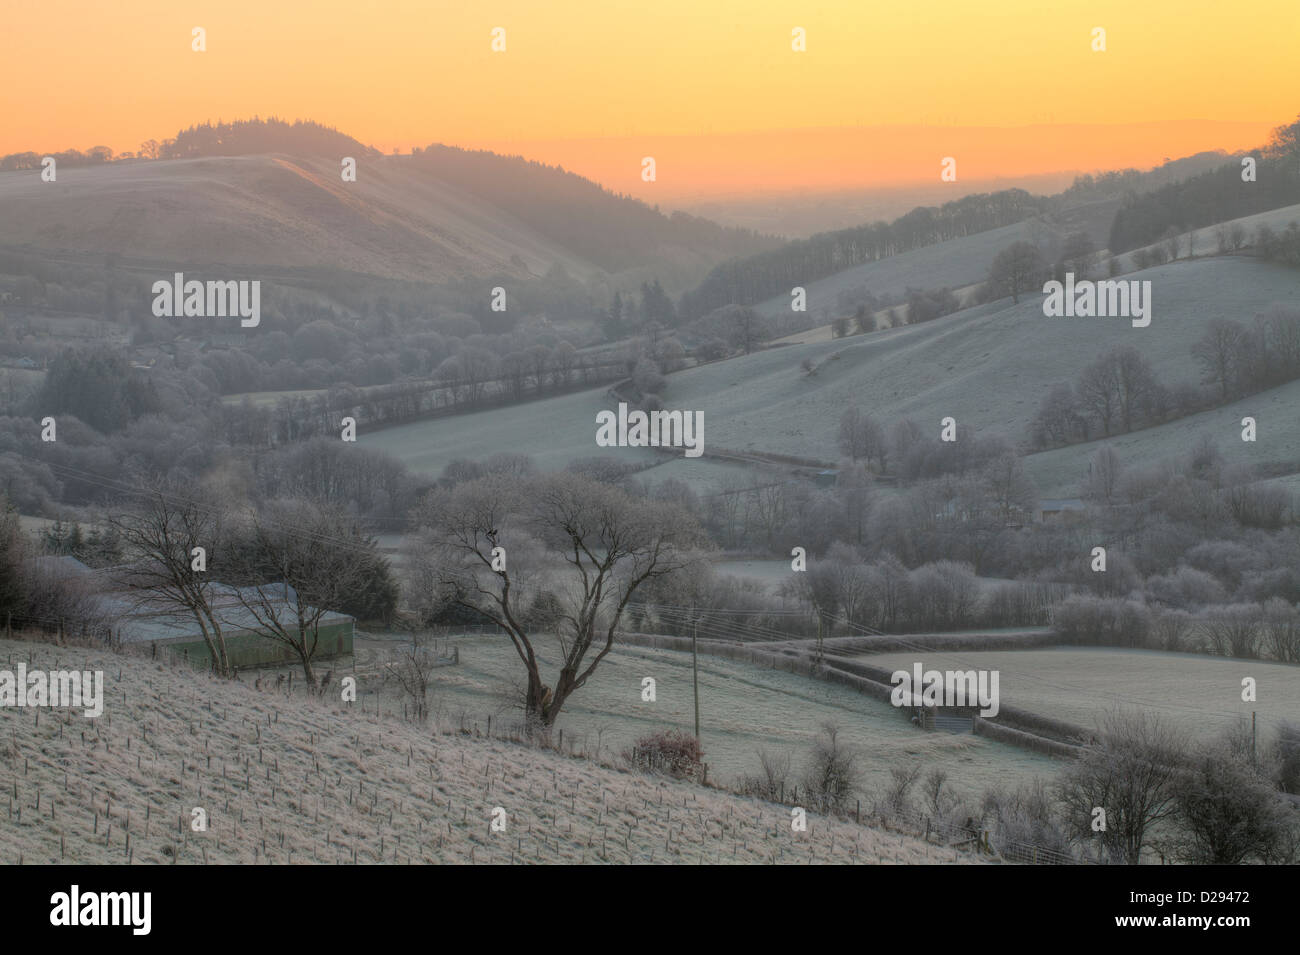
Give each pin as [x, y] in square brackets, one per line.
[833, 775]
[772, 778]
[1234, 630]
[670, 752]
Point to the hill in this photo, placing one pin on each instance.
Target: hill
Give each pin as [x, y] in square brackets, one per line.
[990, 366]
[422, 218]
[292, 779]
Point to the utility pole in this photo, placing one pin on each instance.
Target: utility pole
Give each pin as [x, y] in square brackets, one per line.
[695, 673]
[1253, 759]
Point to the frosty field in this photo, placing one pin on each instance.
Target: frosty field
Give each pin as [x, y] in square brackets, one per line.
[1078, 684]
[292, 778]
[742, 708]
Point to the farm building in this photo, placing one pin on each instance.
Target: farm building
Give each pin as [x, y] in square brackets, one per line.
[1058, 509]
[246, 642]
[178, 632]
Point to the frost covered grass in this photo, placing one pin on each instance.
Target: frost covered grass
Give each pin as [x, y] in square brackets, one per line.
[1079, 684]
[299, 779]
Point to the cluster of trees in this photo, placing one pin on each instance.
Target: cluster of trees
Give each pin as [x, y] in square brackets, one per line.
[1212, 803]
[99, 388]
[1116, 392]
[1120, 391]
[1114, 184]
[910, 454]
[66, 158]
[1282, 247]
[251, 136]
[938, 595]
[751, 280]
[1214, 196]
[98, 547]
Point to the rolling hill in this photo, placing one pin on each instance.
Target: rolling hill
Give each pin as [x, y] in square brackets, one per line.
[420, 218]
[989, 366]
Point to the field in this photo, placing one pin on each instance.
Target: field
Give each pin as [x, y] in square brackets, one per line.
[1200, 693]
[742, 708]
[295, 779]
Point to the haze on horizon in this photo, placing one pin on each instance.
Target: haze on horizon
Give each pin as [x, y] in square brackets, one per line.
[716, 95]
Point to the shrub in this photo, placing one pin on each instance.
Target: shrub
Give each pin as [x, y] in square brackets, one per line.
[770, 781]
[833, 775]
[670, 752]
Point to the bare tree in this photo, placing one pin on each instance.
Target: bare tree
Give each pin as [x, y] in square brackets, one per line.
[303, 562]
[1097, 389]
[1229, 813]
[1136, 387]
[1217, 352]
[412, 668]
[1103, 475]
[1079, 253]
[497, 545]
[1016, 269]
[833, 774]
[1130, 771]
[170, 535]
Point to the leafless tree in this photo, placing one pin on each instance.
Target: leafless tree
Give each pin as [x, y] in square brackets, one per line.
[412, 668]
[1130, 771]
[302, 561]
[1217, 351]
[499, 545]
[1229, 812]
[1016, 269]
[161, 533]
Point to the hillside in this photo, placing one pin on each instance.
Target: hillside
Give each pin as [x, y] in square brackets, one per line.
[953, 263]
[989, 366]
[404, 218]
[295, 779]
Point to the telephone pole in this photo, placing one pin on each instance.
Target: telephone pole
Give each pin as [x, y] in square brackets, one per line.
[695, 672]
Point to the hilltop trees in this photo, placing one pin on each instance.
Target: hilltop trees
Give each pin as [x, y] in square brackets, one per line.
[497, 546]
[748, 281]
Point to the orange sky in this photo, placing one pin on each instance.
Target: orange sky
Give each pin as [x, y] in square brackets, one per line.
[597, 85]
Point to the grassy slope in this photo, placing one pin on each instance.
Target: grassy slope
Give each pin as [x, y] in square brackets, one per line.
[273, 211]
[742, 708]
[954, 263]
[325, 781]
[989, 366]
